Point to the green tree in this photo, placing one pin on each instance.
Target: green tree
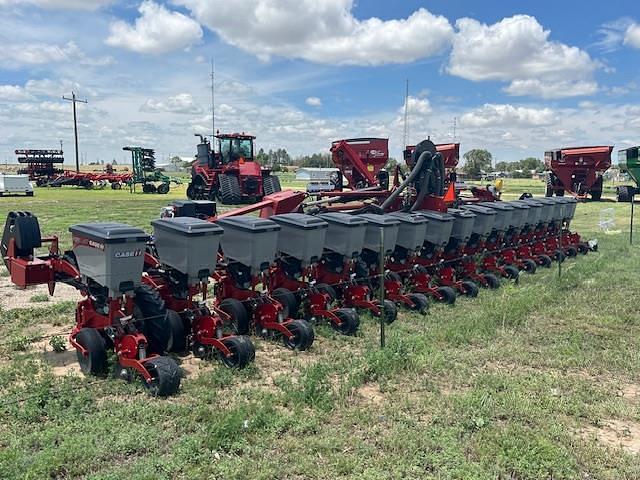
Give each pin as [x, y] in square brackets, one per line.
[476, 162]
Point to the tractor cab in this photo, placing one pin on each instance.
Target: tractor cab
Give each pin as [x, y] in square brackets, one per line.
[235, 147]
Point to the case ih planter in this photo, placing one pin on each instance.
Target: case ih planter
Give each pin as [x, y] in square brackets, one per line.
[250, 245]
[300, 246]
[118, 312]
[231, 174]
[178, 266]
[577, 171]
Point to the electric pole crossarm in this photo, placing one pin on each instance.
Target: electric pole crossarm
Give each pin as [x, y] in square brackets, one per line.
[73, 101]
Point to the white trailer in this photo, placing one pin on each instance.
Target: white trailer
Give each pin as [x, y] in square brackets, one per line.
[14, 184]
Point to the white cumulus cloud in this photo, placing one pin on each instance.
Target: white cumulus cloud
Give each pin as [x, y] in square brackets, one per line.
[632, 35]
[313, 102]
[517, 49]
[181, 103]
[156, 31]
[60, 4]
[505, 115]
[322, 31]
[14, 93]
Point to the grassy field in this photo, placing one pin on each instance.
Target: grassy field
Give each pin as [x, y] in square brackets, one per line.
[537, 380]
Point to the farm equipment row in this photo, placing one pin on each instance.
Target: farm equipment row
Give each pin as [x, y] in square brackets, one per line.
[275, 275]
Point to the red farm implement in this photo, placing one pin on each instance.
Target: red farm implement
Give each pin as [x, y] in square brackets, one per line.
[40, 165]
[577, 170]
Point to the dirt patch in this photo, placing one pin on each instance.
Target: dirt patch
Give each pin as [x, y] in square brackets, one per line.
[61, 363]
[630, 391]
[371, 393]
[16, 297]
[624, 434]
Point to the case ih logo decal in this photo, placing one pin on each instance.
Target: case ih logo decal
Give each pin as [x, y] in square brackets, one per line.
[128, 253]
[85, 242]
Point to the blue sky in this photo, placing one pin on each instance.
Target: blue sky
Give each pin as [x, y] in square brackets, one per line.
[519, 77]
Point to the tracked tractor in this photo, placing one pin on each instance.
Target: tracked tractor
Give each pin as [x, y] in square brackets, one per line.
[231, 174]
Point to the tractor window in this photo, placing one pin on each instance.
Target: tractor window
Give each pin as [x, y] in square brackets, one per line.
[232, 149]
[622, 156]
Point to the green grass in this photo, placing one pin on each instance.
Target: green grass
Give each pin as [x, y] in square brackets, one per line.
[502, 386]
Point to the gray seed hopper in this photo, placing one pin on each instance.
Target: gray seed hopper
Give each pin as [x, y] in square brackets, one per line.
[389, 226]
[110, 254]
[250, 241]
[411, 231]
[301, 236]
[439, 227]
[189, 245]
[345, 234]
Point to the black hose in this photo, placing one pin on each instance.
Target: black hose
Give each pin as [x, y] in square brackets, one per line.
[425, 156]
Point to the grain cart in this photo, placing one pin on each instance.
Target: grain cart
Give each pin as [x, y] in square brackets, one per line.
[343, 245]
[361, 162]
[576, 170]
[231, 174]
[249, 245]
[300, 246]
[178, 265]
[369, 265]
[117, 313]
[629, 163]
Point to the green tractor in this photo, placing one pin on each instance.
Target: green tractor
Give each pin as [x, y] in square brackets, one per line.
[629, 163]
[146, 174]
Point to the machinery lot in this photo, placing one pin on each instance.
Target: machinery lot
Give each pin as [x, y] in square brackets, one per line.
[536, 380]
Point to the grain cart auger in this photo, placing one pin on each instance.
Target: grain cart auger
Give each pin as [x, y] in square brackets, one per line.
[178, 265]
[293, 279]
[231, 174]
[118, 312]
[249, 246]
[577, 170]
[629, 163]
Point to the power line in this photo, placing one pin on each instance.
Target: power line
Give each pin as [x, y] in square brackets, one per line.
[74, 100]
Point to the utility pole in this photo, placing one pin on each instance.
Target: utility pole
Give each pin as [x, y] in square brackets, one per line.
[213, 105]
[406, 114]
[74, 100]
[455, 124]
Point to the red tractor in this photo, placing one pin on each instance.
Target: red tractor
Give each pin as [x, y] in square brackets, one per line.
[576, 170]
[231, 174]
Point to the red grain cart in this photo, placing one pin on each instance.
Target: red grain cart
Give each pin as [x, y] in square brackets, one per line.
[361, 161]
[577, 170]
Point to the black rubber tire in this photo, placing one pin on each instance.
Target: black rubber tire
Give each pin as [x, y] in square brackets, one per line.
[511, 272]
[148, 188]
[241, 353]
[470, 288]
[328, 289]
[152, 312]
[229, 189]
[271, 184]
[583, 249]
[166, 376]
[623, 194]
[389, 312]
[303, 335]
[493, 282]
[95, 363]
[560, 193]
[393, 276]
[572, 252]
[560, 256]
[178, 338]
[545, 261]
[529, 265]
[288, 301]
[596, 190]
[421, 302]
[249, 346]
[239, 323]
[350, 321]
[163, 189]
[449, 295]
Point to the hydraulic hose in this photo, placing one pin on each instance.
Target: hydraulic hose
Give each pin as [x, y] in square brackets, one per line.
[424, 157]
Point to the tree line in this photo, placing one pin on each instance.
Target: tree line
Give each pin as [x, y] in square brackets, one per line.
[480, 161]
